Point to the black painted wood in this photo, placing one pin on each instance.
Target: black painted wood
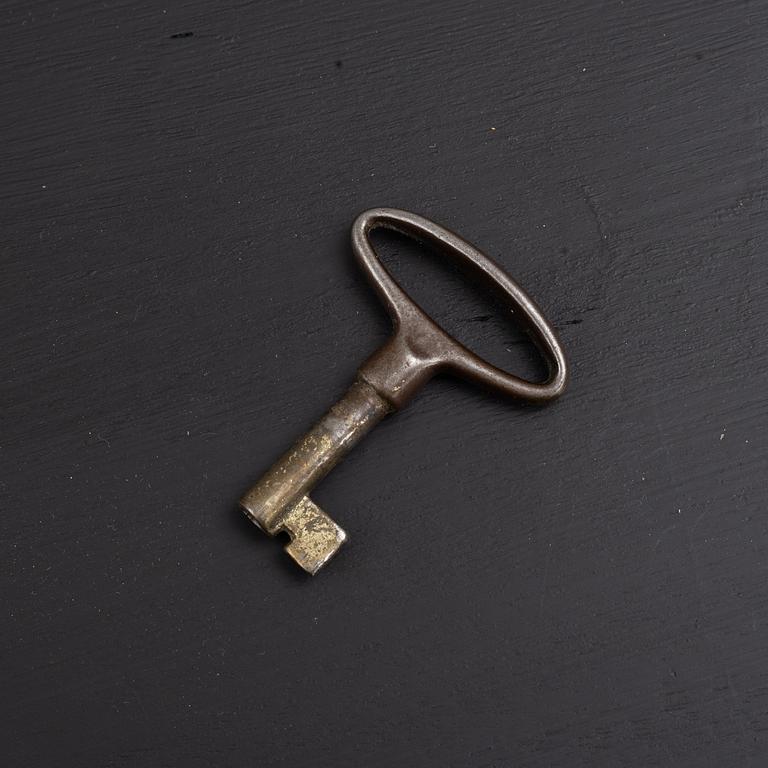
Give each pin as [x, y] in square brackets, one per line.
[577, 585]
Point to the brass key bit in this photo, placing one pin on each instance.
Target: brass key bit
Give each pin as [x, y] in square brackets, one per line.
[418, 350]
[315, 538]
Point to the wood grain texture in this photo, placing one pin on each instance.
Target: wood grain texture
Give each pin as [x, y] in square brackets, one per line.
[179, 303]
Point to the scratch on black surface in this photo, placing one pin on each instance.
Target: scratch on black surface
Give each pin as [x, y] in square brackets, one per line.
[179, 35]
[592, 205]
[578, 320]
[543, 595]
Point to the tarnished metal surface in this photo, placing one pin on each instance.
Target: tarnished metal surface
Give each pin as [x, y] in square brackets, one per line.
[417, 350]
[315, 538]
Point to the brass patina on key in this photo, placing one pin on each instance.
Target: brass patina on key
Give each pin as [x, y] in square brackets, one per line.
[417, 350]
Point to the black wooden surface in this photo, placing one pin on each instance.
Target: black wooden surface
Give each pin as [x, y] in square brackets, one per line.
[578, 585]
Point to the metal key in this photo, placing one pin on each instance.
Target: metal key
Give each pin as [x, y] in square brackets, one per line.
[417, 350]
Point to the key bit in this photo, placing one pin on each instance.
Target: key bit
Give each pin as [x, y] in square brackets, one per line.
[315, 538]
[418, 350]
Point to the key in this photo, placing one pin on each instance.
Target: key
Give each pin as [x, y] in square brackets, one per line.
[417, 350]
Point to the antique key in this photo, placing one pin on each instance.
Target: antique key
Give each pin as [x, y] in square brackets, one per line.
[417, 350]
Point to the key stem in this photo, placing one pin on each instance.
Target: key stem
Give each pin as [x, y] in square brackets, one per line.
[314, 455]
